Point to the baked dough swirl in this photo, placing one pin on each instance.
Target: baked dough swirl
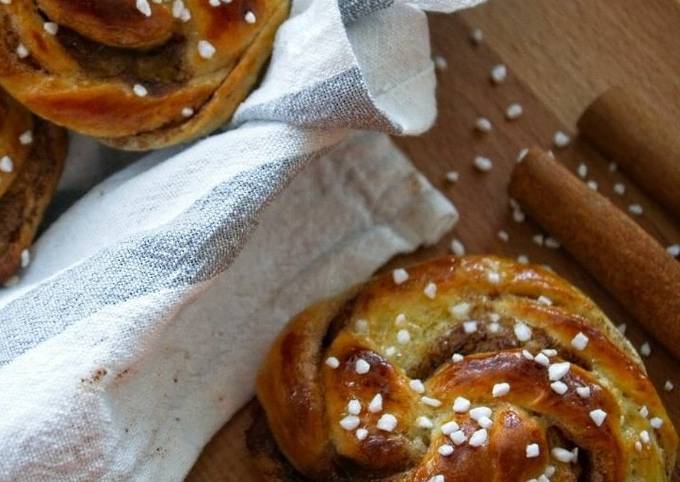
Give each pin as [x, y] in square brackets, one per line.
[460, 369]
[32, 155]
[139, 74]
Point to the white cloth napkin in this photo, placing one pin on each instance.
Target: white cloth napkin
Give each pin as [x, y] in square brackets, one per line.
[149, 305]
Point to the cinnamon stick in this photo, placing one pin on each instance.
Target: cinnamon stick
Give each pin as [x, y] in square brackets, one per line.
[640, 139]
[626, 260]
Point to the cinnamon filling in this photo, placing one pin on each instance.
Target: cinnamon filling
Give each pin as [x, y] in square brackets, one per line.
[161, 66]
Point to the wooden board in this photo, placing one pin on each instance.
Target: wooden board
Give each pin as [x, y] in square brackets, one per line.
[465, 93]
[568, 52]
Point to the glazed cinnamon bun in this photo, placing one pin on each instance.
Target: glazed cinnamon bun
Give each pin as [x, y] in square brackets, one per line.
[138, 74]
[459, 369]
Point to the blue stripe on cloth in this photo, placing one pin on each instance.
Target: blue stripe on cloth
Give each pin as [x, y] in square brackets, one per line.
[352, 10]
[339, 101]
[196, 246]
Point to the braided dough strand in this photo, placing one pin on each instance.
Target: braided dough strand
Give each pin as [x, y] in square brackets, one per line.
[471, 366]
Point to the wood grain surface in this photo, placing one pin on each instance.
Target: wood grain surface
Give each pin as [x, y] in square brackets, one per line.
[560, 56]
[568, 52]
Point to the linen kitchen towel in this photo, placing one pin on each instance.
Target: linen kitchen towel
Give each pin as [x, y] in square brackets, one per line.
[137, 329]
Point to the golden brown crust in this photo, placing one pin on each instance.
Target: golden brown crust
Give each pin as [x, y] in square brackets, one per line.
[305, 442]
[84, 76]
[116, 23]
[305, 399]
[14, 121]
[36, 169]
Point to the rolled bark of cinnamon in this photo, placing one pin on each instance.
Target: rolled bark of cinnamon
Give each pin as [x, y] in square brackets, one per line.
[641, 139]
[626, 260]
